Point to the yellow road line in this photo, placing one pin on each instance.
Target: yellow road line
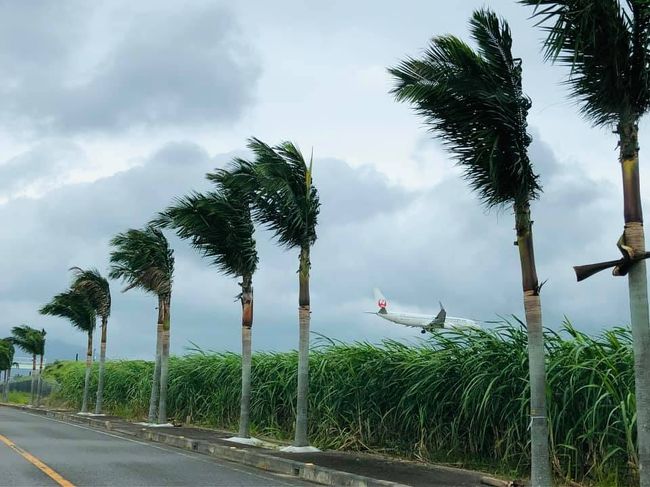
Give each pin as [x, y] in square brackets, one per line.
[37, 463]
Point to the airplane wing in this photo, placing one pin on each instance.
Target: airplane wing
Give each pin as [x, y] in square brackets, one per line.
[439, 320]
[441, 316]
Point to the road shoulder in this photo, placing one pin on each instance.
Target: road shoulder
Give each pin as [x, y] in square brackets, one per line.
[326, 468]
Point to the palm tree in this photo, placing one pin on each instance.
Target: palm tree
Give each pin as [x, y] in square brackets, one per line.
[6, 362]
[219, 225]
[75, 306]
[474, 101]
[31, 341]
[143, 259]
[606, 44]
[284, 200]
[96, 287]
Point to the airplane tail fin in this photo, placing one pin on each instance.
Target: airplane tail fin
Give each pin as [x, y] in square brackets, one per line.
[381, 301]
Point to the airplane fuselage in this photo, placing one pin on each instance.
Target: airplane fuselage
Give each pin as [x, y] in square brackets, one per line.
[423, 321]
[426, 321]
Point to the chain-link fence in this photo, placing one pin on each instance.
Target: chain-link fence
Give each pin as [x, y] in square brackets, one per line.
[25, 385]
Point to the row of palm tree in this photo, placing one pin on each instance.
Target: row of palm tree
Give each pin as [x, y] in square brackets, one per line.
[473, 100]
[143, 259]
[75, 306]
[273, 190]
[606, 45]
[31, 341]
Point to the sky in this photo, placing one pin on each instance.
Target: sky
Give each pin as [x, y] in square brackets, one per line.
[110, 110]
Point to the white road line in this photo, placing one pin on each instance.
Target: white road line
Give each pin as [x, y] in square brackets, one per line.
[194, 456]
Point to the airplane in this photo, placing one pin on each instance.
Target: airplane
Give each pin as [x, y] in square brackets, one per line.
[426, 322]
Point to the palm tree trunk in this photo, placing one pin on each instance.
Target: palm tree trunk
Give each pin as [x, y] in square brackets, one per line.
[540, 462]
[102, 362]
[33, 384]
[246, 356]
[5, 396]
[638, 290]
[39, 385]
[155, 382]
[164, 362]
[301, 438]
[89, 363]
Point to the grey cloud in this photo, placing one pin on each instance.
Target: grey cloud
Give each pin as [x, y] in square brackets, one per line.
[185, 66]
[354, 194]
[42, 167]
[418, 246]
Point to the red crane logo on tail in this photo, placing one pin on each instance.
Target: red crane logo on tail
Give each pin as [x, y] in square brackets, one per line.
[382, 303]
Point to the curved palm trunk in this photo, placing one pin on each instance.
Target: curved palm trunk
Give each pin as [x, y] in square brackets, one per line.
[164, 362]
[246, 356]
[89, 364]
[155, 381]
[33, 384]
[540, 463]
[39, 384]
[102, 362]
[638, 290]
[301, 438]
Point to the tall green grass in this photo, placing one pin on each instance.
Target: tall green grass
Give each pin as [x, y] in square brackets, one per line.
[460, 396]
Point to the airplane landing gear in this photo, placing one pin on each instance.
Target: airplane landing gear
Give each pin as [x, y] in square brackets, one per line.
[423, 331]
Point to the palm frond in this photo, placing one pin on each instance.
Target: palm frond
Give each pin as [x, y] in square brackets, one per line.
[95, 286]
[28, 339]
[284, 200]
[74, 306]
[142, 258]
[606, 44]
[6, 354]
[237, 180]
[219, 226]
[474, 101]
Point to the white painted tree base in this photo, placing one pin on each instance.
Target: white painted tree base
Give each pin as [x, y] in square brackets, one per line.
[300, 449]
[245, 441]
[84, 414]
[156, 425]
[95, 415]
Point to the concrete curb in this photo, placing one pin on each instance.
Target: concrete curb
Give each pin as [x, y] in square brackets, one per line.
[270, 463]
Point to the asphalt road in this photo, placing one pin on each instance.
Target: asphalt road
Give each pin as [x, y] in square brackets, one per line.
[38, 451]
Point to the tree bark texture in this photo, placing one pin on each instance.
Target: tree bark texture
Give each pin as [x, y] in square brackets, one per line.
[164, 362]
[99, 403]
[540, 474]
[634, 239]
[33, 385]
[89, 364]
[246, 356]
[301, 438]
[39, 384]
[155, 381]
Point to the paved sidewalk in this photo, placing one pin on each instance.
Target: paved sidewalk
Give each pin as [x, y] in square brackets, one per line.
[328, 467]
